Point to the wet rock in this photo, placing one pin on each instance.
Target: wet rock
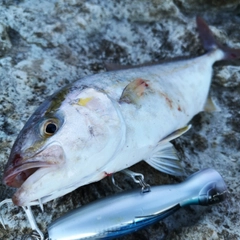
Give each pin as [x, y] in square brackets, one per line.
[5, 44]
[228, 76]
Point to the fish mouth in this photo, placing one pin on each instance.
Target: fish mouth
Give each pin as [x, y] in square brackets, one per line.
[22, 168]
[17, 175]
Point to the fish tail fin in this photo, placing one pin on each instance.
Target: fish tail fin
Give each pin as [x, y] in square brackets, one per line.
[210, 43]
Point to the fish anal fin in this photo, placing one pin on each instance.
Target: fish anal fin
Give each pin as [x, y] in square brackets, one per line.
[176, 134]
[164, 158]
[134, 91]
[210, 106]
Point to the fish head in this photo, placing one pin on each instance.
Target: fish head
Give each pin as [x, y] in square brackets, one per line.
[65, 144]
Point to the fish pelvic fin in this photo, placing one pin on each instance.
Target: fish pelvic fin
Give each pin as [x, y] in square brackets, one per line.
[210, 43]
[164, 157]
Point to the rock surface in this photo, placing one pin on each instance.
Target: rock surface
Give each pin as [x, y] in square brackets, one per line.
[46, 44]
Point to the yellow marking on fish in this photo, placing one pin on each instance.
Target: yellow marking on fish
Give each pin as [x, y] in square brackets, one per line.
[84, 101]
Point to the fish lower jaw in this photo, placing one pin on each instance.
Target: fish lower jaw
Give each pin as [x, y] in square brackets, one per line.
[20, 199]
[34, 189]
[24, 197]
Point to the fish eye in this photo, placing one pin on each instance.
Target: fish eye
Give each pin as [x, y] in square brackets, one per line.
[49, 128]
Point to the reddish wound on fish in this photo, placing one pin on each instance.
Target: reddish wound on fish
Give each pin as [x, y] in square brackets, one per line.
[179, 108]
[139, 85]
[169, 101]
[107, 174]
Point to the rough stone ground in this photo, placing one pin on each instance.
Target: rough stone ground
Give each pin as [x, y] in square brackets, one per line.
[46, 44]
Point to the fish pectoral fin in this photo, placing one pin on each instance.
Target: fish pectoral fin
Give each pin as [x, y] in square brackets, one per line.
[134, 91]
[210, 106]
[164, 158]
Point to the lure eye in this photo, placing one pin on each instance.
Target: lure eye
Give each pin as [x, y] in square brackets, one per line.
[49, 128]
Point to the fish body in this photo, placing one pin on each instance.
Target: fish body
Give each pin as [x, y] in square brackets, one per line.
[130, 211]
[107, 122]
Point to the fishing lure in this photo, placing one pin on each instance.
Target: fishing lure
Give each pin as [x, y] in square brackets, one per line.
[132, 210]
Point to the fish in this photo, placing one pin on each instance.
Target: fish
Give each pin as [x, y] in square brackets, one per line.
[131, 210]
[107, 122]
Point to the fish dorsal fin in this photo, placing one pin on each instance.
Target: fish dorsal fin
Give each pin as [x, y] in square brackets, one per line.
[164, 156]
[134, 91]
[210, 106]
[115, 66]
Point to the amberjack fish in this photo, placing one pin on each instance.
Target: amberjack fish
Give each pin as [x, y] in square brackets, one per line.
[110, 121]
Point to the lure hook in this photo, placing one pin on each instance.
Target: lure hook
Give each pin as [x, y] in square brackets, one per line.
[36, 231]
[37, 234]
[138, 178]
[114, 182]
[5, 201]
